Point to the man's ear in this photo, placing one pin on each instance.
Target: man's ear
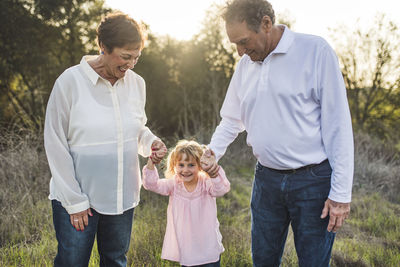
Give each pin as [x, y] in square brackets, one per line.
[266, 23]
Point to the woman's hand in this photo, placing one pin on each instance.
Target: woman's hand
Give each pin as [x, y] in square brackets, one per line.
[209, 163]
[158, 151]
[80, 220]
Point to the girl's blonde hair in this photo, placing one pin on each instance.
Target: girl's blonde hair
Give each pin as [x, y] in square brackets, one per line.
[191, 149]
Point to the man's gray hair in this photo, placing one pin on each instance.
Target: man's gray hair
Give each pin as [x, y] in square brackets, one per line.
[251, 11]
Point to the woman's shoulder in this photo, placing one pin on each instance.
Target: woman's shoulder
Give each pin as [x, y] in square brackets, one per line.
[64, 83]
[133, 76]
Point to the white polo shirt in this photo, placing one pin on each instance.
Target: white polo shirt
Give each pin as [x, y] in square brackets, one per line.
[294, 108]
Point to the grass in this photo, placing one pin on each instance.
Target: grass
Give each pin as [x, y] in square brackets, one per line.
[370, 237]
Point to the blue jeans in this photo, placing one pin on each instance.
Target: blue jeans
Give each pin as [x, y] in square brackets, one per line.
[296, 198]
[74, 247]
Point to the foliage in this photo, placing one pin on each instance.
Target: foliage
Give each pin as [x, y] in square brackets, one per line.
[187, 80]
[371, 71]
[38, 40]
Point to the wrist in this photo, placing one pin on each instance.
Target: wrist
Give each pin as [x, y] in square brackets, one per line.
[150, 164]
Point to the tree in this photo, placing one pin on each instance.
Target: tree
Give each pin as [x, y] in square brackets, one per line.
[371, 70]
[39, 40]
[187, 80]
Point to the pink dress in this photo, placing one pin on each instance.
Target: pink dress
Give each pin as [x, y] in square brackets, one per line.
[192, 236]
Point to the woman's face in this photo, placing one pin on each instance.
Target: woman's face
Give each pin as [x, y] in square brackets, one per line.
[121, 59]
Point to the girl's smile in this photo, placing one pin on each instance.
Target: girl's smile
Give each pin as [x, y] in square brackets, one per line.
[187, 170]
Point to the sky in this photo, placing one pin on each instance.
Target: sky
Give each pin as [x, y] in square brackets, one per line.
[182, 19]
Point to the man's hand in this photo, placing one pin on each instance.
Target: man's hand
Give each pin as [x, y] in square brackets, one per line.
[337, 211]
[80, 219]
[158, 151]
[209, 163]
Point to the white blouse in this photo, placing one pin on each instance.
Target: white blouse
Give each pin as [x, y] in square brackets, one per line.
[93, 134]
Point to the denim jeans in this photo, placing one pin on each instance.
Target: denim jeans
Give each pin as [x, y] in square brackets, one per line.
[74, 247]
[296, 198]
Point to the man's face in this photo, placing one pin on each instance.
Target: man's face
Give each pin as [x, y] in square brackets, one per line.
[257, 45]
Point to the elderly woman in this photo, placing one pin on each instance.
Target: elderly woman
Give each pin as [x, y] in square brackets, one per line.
[94, 130]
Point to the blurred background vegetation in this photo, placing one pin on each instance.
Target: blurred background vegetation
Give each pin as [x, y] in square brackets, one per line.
[186, 84]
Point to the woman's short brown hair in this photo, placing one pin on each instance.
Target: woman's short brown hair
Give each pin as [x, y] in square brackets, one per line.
[118, 30]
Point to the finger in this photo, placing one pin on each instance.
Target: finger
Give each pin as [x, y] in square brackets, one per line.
[90, 212]
[325, 210]
[75, 223]
[160, 154]
[339, 223]
[156, 158]
[214, 168]
[156, 145]
[81, 225]
[332, 223]
[85, 220]
[205, 167]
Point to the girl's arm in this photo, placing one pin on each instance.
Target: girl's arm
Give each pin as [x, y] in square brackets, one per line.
[219, 185]
[152, 182]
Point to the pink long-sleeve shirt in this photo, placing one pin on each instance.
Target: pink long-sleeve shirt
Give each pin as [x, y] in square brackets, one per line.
[192, 236]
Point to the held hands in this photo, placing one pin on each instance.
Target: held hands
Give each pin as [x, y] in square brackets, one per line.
[158, 151]
[209, 163]
[80, 219]
[338, 212]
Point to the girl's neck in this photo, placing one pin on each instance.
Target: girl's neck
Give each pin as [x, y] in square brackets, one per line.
[191, 186]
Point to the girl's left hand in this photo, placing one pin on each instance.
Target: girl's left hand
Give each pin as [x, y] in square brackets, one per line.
[158, 151]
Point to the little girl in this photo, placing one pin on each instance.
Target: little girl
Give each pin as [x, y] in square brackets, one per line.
[192, 237]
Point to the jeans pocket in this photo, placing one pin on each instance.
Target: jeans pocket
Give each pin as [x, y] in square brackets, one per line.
[322, 170]
[259, 168]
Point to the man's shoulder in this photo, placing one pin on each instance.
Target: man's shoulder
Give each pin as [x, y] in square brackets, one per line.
[309, 39]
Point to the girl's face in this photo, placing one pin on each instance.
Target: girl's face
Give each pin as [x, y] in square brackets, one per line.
[187, 169]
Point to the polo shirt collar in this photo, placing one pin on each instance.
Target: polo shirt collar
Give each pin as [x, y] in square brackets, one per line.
[285, 42]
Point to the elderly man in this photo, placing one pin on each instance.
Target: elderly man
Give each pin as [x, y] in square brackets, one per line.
[288, 93]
